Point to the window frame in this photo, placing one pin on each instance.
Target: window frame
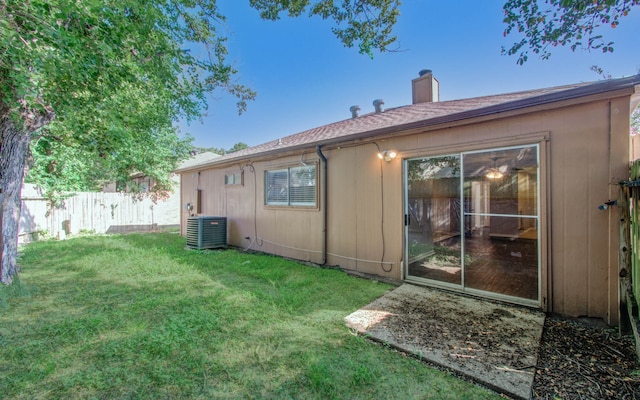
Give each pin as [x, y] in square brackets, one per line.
[288, 202]
[234, 174]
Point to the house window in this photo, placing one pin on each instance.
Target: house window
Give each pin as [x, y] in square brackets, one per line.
[233, 179]
[294, 186]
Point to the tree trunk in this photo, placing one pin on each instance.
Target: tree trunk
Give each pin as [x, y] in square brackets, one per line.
[13, 152]
[14, 148]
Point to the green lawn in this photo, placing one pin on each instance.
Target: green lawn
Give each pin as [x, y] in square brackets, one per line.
[139, 316]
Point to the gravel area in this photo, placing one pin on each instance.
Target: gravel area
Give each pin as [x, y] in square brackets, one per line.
[578, 360]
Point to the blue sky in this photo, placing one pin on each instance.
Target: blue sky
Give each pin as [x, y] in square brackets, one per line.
[305, 78]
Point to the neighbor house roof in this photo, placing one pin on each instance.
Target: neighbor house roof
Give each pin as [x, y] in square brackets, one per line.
[197, 160]
[423, 115]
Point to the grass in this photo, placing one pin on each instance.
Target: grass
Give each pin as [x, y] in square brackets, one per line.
[139, 316]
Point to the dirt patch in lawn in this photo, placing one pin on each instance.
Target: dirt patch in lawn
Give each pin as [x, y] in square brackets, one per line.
[492, 343]
[513, 350]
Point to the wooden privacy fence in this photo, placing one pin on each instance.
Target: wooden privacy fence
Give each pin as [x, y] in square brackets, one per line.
[95, 212]
[630, 197]
[629, 202]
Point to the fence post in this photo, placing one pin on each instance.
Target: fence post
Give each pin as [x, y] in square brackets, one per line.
[624, 259]
[630, 254]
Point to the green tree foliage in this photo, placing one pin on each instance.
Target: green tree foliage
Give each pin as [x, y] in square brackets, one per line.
[550, 23]
[93, 87]
[237, 147]
[367, 24]
[63, 162]
[105, 82]
[219, 150]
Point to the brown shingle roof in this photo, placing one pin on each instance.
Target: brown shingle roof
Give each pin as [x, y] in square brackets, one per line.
[426, 114]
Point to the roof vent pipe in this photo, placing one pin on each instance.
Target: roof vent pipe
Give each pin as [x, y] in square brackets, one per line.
[354, 111]
[378, 103]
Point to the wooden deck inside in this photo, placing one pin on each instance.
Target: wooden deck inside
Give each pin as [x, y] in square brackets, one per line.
[499, 265]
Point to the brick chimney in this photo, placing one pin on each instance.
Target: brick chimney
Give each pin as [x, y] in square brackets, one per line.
[426, 88]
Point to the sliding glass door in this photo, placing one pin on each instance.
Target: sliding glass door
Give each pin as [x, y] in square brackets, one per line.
[472, 221]
[433, 219]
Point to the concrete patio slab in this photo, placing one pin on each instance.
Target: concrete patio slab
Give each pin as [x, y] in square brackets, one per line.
[492, 343]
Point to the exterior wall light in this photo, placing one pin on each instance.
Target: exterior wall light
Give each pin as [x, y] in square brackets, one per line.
[387, 155]
[607, 204]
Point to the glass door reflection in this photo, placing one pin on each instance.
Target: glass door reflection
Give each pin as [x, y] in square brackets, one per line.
[501, 221]
[433, 210]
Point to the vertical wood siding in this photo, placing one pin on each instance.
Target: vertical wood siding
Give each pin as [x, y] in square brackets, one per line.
[584, 152]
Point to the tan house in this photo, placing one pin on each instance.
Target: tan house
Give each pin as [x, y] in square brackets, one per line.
[493, 196]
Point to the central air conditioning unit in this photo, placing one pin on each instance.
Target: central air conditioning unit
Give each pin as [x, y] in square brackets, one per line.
[206, 232]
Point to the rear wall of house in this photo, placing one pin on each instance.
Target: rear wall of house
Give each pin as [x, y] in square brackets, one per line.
[293, 232]
[584, 152]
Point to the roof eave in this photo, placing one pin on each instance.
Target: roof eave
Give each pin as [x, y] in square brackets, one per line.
[617, 87]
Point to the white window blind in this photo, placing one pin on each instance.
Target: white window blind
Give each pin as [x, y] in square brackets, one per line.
[294, 186]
